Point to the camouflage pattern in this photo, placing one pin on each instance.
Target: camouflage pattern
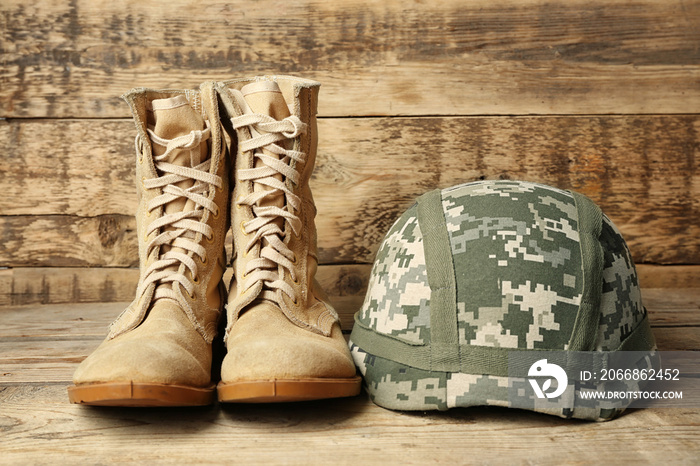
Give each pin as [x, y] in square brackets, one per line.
[621, 302]
[398, 301]
[519, 283]
[400, 387]
[517, 261]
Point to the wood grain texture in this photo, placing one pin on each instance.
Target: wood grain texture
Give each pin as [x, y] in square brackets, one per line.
[663, 276]
[60, 240]
[67, 322]
[344, 284]
[40, 346]
[55, 285]
[677, 339]
[653, 199]
[41, 427]
[663, 299]
[73, 59]
[616, 84]
[80, 167]
[644, 171]
[670, 310]
[54, 361]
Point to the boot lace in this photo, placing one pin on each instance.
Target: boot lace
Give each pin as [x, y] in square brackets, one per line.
[178, 230]
[275, 256]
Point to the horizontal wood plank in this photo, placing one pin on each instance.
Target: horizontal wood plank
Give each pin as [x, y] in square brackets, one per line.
[665, 276]
[662, 299]
[68, 322]
[62, 240]
[73, 59]
[54, 361]
[677, 338]
[643, 170]
[37, 354]
[668, 309]
[56, 285]
[647, 182]
[40, 347]
[64, 167]
[345, 284]
[41, 427]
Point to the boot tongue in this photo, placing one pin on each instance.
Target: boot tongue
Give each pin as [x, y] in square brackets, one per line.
[175, 117]
[169, 119]
[265, 97]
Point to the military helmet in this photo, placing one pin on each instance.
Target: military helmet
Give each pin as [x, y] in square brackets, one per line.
[472, 274]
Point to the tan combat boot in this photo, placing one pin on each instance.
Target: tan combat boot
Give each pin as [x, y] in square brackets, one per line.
[283, 337]
[159, 350]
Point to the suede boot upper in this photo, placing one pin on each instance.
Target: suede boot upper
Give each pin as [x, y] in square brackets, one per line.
[164, 336]
[280, 323]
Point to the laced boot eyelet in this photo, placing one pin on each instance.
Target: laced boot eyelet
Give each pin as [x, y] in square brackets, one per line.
[215, 216]
[294, 259]
[296, 281]
[204, 260]
[243, 229]
[195, 280]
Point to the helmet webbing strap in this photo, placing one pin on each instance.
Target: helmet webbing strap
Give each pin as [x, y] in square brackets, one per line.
[444, 334]
[590, 225]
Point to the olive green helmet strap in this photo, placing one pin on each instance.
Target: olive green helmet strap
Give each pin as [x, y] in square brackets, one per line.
[444, 336]
[590, 225]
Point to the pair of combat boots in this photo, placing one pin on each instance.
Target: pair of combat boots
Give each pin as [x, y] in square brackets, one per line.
[245, 147]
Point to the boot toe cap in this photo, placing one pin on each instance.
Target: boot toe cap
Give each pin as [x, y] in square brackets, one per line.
[147, 362]
[264, 345]
[165, 349]
[284, 359]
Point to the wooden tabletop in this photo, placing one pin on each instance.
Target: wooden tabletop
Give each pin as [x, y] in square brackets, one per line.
[40, 346]
[596, 96]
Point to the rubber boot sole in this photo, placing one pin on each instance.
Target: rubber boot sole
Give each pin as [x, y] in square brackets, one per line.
[130, 394]
[285, 390]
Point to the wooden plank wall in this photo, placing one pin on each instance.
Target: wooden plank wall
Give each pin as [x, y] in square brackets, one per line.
[601, 97]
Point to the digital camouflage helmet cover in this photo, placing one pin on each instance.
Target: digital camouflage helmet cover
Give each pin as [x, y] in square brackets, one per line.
[472, 273]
